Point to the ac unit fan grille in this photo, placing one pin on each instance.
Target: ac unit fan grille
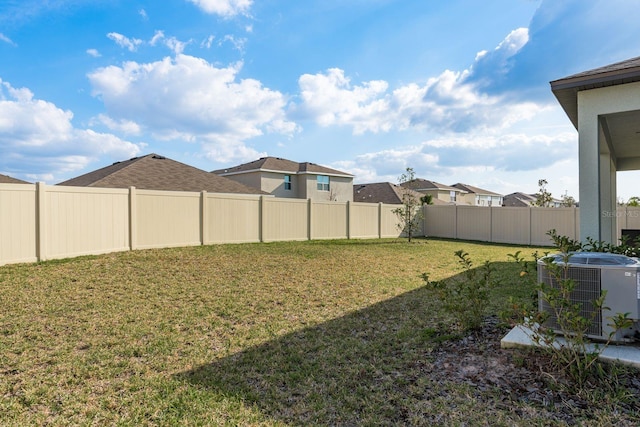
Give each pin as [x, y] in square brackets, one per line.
[587, 290]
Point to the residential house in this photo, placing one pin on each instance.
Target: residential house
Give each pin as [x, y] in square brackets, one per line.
[154, 172]
[438, 191]
[384, 192]
[525, 200]
[289, 179]
[479, 197]
[4, 179]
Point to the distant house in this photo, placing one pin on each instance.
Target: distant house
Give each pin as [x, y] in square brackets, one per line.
[525, 200]
[479, 197]
[438, 191]
[384, 192]
[4, 179]
[154, 172]
[289, 179]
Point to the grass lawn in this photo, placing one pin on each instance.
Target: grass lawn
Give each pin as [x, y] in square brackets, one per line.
[295, 333]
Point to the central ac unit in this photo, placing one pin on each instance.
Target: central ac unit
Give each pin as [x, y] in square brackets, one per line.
[595, 273]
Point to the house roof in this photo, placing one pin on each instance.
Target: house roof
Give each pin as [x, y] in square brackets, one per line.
[5, 179]
[154, 172]
[474, 190]
[277, 164]
[420, 184]
[566, 89]
[518, 200]
[384, 192]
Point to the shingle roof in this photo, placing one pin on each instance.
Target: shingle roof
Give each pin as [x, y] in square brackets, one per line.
[154, 172]
[518, 200]
[567, 88]
[424, 184]
[280, 165]
[474, 190]
[4, 179]
[384, 192]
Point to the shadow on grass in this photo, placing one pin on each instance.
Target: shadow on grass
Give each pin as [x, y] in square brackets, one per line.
[368, 367]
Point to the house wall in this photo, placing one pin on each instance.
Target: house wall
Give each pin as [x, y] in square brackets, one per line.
[250, 179]
[474, 199]
[273, 183]
[340, 188]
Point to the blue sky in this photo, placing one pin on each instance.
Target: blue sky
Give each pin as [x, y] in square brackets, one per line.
[456, 89]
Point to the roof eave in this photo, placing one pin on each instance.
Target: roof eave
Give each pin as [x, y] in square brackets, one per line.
[566, 89]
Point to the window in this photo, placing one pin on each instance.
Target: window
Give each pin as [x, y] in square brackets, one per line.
[452, 196]
[323, 183]
[287, 182]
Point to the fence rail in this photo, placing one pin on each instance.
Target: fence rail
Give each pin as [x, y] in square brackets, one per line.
[40, 222]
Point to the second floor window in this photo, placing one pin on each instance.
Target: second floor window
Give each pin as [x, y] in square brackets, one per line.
[287, 182]
[452, 196]
[323, 183]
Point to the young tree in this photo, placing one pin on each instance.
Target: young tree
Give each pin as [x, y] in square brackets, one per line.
[568, 201]
[543, 197]
[410, 214]
[634, 201]
[427, 199]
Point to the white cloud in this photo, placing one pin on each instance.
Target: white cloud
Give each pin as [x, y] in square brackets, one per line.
[37, 136]
[208, 42]
[225, 8]
[127, 127]
[444, 104]
[143, 14]
[331, 100]
[172, 43]
[125, 42]
[94, 53]
[189, 99]
[6, 39]
[238, 43]
[159, 35]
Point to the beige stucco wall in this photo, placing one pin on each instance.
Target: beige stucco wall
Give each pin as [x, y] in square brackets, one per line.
[597, 170]
[250, 179]
[273, 183]
[340, 189]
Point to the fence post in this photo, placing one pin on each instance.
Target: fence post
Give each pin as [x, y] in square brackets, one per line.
[261, 219]
[204, 224]
[348, 220]
[455, 224]
[41, 224]
[133, 226]
[490, 224]
[379, 220]
[309, 221]
[530, 225]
